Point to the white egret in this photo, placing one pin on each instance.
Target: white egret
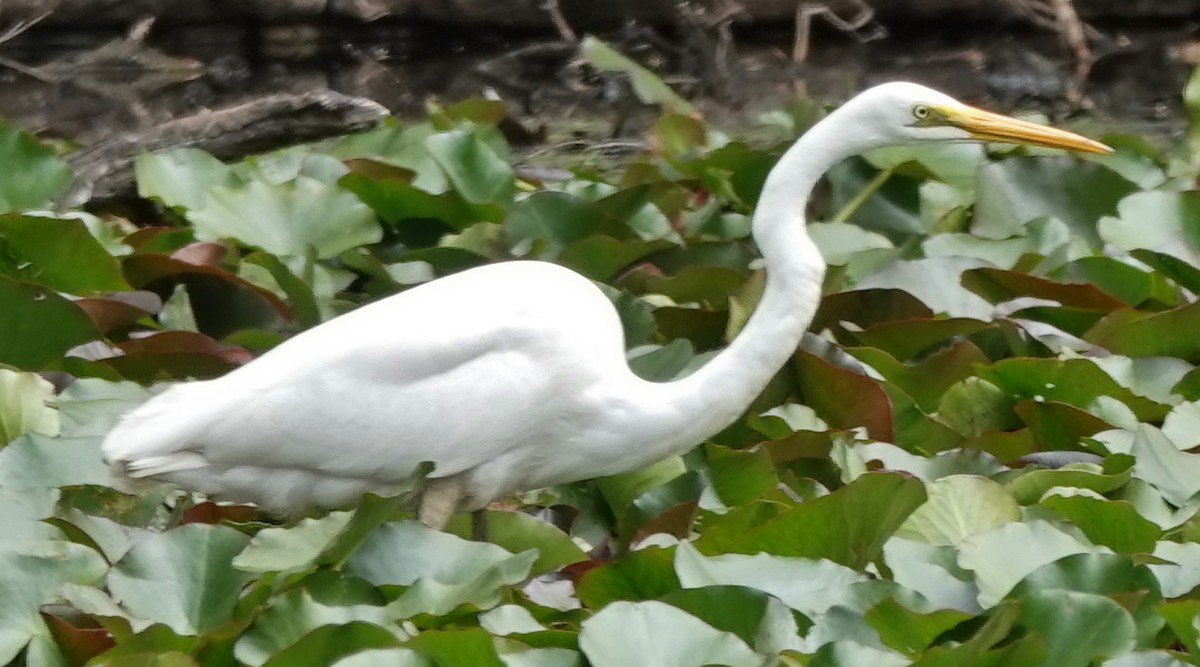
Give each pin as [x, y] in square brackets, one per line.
[512, 376]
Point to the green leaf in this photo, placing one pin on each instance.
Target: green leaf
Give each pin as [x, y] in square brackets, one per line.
[293, 615]
[1030, 485]
[1154, 378]
[293, 218]
[953, 164]
[90, 407]
[1162, 221]
[295, 547]
[37, 461]
[1112, 523]
[1077, 382]
[1015, 191]
[1181, 615]
[397, 201]
[183, 578]
[998, 625]
[441, 571]
[399, 149]
[30, 576]
[892, 204]
[936, 281]
[849, 653]
[1174, 473]
[1077, 627]
[472, 166]
[372, 511]
[1144, 659]
[74, 262]
[839, 242]
[24, 405]
[168, 659]
[25, 514]
[621, 490]
[999, 285]
[729, 608]
[646, 85]
[738, 475]
[1177, 568]
[1135, 333]
[328, 643]
[928, 379]
[1044, 236]
[555, 217]
[457, 648]
[910, 631]
[653, 633]
[644, 574]
[518, 532]
[1002, 557]
[301, 300]
[955, 462]
[1131, 585]
[1127, 283]
[848, 526]
[661, 364]
[809, 586]
[975, 406]
[393, 657]
[153, 641]
[958, 507]
[708, 285]
[601, 257]
[39, 326]
[33, 174]
[181, 177]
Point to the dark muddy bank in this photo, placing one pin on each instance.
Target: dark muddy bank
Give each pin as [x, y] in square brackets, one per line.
[87, 85]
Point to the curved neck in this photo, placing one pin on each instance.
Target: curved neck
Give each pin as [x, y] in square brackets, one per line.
[694, 408]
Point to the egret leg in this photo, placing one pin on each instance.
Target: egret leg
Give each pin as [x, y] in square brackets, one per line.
[441, 500]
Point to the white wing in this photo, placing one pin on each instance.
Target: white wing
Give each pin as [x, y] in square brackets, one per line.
[489, 366]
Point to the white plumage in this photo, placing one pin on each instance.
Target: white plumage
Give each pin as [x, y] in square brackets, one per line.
[510, 376]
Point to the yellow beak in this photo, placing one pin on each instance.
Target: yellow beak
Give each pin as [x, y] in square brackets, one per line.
[988, 126]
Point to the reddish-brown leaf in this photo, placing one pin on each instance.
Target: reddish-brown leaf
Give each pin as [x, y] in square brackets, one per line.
[843, 398]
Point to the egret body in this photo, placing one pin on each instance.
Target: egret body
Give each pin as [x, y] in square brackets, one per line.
[511, 376]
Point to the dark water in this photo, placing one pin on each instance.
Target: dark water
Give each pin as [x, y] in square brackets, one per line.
[57, 86]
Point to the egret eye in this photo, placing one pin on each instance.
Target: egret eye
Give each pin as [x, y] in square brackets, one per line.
[920, 112]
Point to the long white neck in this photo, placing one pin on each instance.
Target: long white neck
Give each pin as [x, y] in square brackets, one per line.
[694, 408]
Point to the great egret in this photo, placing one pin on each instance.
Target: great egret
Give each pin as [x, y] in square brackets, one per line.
[512, 376]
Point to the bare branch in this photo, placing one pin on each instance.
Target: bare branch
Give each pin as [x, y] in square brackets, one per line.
[806, 11]
[21, 26]
[560, 21]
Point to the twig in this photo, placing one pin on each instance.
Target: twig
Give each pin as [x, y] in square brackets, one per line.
[863, 195]
[1060, 16]
[21, 26]
[589, 146]
[28, 71]
[560, 21]
[806, 11]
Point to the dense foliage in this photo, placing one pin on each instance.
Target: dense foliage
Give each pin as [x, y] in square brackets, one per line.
[979, 457]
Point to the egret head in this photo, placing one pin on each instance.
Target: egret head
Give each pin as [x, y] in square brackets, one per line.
[902, 112]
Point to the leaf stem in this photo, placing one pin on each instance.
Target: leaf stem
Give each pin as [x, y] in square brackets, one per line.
[863, 195]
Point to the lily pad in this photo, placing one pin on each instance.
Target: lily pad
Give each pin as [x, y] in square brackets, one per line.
[294, 219]
[654, 633]
[182, 578]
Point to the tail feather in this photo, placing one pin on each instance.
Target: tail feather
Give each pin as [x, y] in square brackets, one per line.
[161, 436]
